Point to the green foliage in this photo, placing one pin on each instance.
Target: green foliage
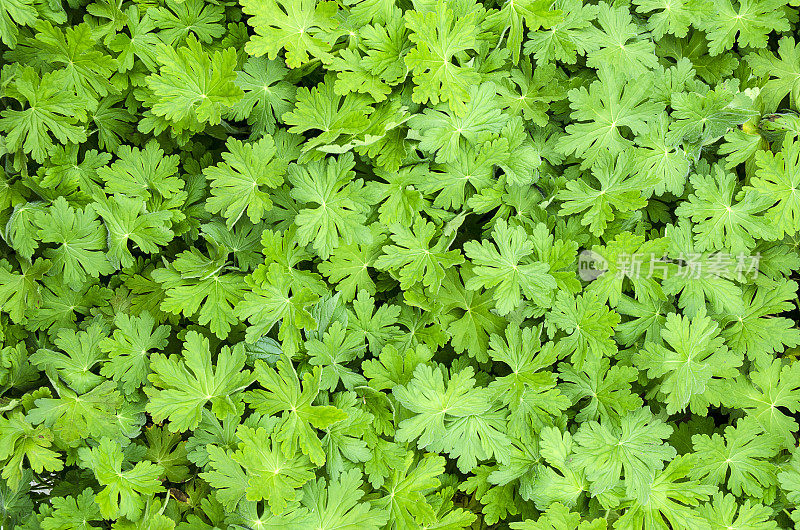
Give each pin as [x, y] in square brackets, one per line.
[379, 265]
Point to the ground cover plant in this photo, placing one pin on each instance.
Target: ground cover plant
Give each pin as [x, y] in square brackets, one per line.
[413, 264]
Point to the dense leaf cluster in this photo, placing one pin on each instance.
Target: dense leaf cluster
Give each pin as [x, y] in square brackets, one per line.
[314, 264]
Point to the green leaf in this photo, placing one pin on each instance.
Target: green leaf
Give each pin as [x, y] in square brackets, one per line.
[770, 387]
[394, 367]
[20, 292]
[240, 183]
[338, 349]
[660, 160]
[20, 230]
[740, 461]
[273, 475]
[782, 73]
[144, 173]
[197, 284]
[127, 219]
[634, 448]
[693, 367]
[338, 505]
[273, 297]
[719, 222]
[509, 268]
[589, 326]
[629, 259]
[73, 512]
[348, 267]
[227, 476]
[194, 87]
[703, 280]
[267, 95]
[748, 24]
[79, 241]
[301, 27]
[129, 349]
[619, 44]
[446, 132]
[177, 19]
[85, 69]
[187, 383]
[20, 441]
[725, 511]
[671, 18]
[51, 113]
[607, 388]
[702, 118]
[334, 212]
[600, 113]
[141, 44]
[73, 417]
[560, 480]
[672, 497]
[441, 41]
[535, 13]
[453, 417]
[15, 13]
[756, 329]
[778, 185]
[618, 189]
[335, 117]
[415, 259]
[81, 354]
[789, 478]
[354, 76]
[529, 390]
[343, 442]
[559, 517]
[406, 502]
[299, 417]
[123, 489]
[470, 318]
[566, 39]
[167, 450]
